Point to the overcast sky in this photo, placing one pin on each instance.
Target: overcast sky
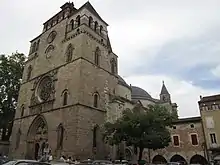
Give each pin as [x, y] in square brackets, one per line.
[170, 40]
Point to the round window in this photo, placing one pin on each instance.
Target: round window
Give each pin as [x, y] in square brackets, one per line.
[51, 36]
[45, 89]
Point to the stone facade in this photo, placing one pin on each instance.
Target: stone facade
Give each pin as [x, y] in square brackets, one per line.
[64, 84]
[71, 86]
[186, 151]
[210, 112]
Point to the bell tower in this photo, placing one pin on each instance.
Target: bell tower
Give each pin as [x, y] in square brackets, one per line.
[164, 94]
[70, 72]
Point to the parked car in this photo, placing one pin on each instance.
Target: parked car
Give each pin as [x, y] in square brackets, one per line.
[174, 163]
[102, 162]
[89, 161]
[123, 162]
[61, 163]
[3, 160]
[25, 162]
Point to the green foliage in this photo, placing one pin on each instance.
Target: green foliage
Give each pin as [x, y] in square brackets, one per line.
[11, 69]
[142, 128]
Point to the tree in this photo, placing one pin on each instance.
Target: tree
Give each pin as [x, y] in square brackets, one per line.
[11, 69]
[141, 128]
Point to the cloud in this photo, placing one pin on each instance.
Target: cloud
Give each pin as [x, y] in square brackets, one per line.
[191, 59]
[185, 94]
[216, 71]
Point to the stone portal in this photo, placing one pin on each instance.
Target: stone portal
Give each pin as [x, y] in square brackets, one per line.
[37, 138]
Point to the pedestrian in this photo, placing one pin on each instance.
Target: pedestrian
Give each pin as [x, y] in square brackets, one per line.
[69, 159]
[62, 158]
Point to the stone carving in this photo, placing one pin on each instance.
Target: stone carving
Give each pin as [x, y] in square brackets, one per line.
[49, 51]
[43, 92]
[42, 129]
[45, 89]
[51, 37]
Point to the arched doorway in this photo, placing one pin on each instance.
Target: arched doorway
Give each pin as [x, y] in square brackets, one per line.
[178, 158]
[37, 138]
[128, 154]
[198, 159]
[158, 159]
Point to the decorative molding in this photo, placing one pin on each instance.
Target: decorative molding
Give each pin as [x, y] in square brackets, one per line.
[88, 34]
[51, 37]
[37, 105]
[62, 107]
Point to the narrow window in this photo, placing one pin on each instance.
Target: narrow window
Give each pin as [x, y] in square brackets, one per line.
[78, 20]
[213, 138]
[37, 45]
[46, 27]
[97, 56]
[174, 127]
[94, 136]
[18, 137]
[90, 21]
[22, 110]
[69, 53]
[34, 47]
[113, 66]
[63, 15]
[192, 126]
[29, 71]
[57, 20]
[101, 28]
[60, 133]
[65, 98]
[95, 101]
[72, 24]
[96, 25]
[194, 139]
[176, 141]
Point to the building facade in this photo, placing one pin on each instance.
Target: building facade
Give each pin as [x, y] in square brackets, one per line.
[71, 86]
[210, 112]
[187, 144]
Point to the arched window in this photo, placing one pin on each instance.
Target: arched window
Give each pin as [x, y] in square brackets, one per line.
[65, 97]
[49, 49]
[37, 45]
[96, 25]
[101, 28]
[60, 134]
[69, 53]
[18, 137]
[78, 20]
[90, 21]
[97, 55]
[46, 27]
[72, 24]
[34, 47]
[113, 66]
[95, 136]
[29, 71]
[22, 110]
[95, 100]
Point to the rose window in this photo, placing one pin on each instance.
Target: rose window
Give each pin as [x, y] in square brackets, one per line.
[45, 89]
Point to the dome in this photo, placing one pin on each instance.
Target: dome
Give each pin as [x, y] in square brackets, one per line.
[122, 82]
[139, 93]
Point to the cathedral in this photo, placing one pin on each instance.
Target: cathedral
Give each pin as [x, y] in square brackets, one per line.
[71, 87]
